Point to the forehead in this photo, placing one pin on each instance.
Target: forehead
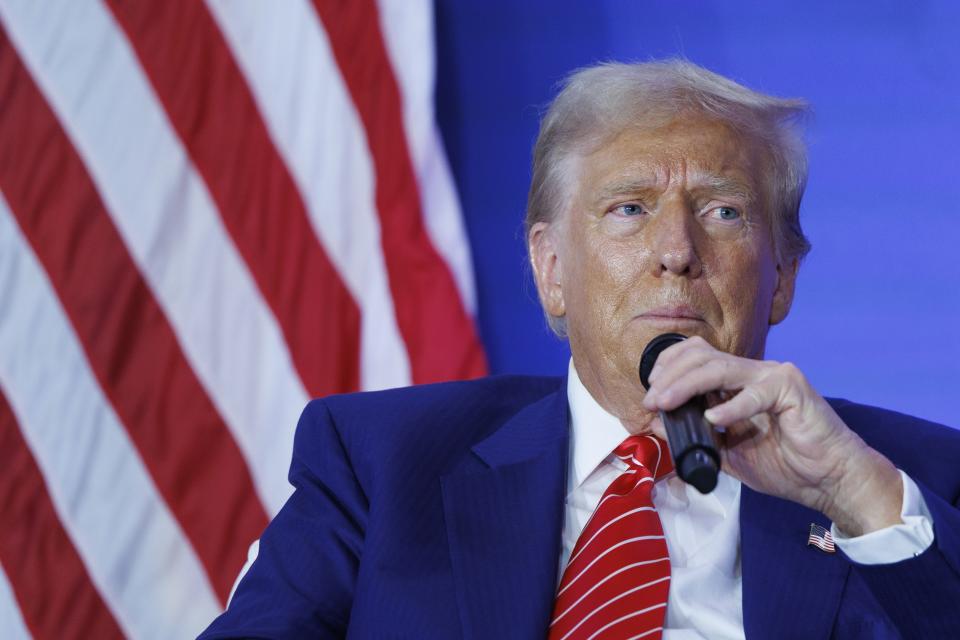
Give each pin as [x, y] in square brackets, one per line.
[692, 152]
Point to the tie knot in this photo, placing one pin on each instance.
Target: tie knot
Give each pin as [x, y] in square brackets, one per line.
[648, 452]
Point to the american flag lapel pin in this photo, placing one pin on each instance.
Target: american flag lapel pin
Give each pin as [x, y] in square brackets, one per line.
[820, 538]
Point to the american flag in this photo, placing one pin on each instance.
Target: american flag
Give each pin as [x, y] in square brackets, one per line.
[209, 212]
[821, 538]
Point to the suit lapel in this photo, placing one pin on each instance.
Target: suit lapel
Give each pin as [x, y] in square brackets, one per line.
[790, 589]
[504, 523]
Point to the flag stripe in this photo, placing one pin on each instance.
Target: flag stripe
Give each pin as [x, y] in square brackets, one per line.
[170, 225]
[283, 51]
[12, 624]
[126, 337]
[168, 167]
[258, 200]
[51, 584]
[133, 548]
[408, 33]
[435, 326]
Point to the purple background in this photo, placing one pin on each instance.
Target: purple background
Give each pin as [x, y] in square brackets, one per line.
[878, 298]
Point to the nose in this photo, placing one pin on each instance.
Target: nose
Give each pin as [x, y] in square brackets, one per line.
[674, 238]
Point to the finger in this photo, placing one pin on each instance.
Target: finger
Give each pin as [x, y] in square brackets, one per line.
[656, 426]
[674, 351]
[752, 400]
[727, 373]
[681, 363]
[695, 354]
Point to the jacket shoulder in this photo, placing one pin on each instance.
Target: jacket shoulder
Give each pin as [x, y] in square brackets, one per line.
[431, 425]
[460, 401]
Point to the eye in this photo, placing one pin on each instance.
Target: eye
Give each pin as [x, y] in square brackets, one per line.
[629, 209]
[726, 213]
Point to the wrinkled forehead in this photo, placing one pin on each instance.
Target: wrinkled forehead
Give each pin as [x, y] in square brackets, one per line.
[691, 152]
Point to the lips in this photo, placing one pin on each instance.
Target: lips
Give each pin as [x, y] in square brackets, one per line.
[673, 312]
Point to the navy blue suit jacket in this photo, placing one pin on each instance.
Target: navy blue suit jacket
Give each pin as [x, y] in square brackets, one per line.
[436, 512]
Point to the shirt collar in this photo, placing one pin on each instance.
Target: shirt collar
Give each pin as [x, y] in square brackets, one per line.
[594, 432]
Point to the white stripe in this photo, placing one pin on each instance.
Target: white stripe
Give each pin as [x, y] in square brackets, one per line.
[252, 552]
[407, 28]
[608, 550]
[600, 530]
[633, 459]
[656, 467]
[284, 54]
[821, 544]
[134, 550]
[597, 586]
[611, 600]
[91, 78]
[620, 495]
[615, 495]
[627, 617]
[12, 625]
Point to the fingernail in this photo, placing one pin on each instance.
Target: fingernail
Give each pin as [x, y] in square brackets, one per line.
[710, 415]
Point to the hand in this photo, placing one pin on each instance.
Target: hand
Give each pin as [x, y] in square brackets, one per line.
[782, 438]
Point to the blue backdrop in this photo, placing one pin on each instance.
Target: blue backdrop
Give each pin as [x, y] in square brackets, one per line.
[878, 298]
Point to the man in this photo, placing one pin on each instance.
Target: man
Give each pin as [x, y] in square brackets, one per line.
[664, 199]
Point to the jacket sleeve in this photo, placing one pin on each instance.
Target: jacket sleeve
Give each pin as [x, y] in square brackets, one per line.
[920, 594]
[302, 582]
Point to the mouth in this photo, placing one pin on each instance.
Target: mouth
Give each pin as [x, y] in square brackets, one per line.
[678, 313]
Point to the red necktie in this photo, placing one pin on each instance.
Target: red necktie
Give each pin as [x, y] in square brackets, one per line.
[618, 577]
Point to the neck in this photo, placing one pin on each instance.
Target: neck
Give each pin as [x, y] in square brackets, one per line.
[618, 397]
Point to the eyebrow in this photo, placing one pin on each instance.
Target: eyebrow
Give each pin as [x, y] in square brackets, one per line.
[713, 183]
[626, 187]
[724, 185]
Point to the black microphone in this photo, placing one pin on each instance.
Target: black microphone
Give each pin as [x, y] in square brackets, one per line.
[690, 436]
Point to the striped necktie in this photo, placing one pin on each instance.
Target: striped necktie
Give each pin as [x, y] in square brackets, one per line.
[618, 577]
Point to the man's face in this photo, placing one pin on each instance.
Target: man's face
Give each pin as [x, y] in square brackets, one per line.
[667, 230]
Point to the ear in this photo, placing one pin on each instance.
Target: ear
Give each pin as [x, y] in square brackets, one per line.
[547, 268]
[783, 294]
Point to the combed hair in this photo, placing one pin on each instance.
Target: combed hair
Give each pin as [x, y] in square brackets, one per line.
[597, 103]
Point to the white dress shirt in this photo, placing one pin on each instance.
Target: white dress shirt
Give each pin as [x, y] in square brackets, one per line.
[702, 531]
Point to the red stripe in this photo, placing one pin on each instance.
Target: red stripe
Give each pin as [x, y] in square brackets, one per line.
[132, 349]
[51, 585]
[574, 609]
[629, 605]
[209, 104]
[436, 328]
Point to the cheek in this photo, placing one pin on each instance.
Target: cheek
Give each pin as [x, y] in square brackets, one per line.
[612, 274]
[765, 280]
[601, 276]
[744, 288]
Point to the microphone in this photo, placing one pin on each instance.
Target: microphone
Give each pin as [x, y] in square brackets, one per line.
[690, 436]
